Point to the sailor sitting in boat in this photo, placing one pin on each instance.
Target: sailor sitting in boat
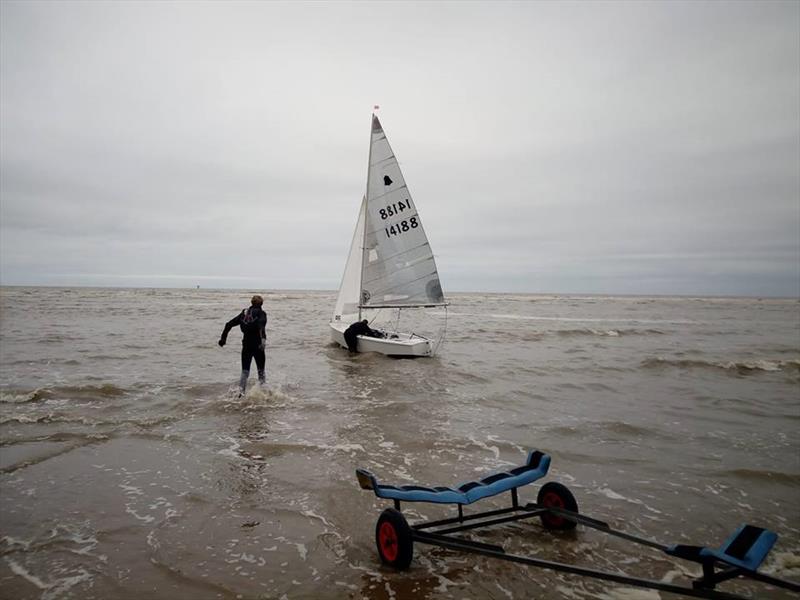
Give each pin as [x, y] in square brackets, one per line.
[360, 328]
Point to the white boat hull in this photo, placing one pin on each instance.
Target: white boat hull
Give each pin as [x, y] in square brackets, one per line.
[404, 345]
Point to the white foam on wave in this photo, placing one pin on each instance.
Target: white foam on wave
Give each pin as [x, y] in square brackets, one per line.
[59, 534]
[389, 591]
[88, 544]
[571, 592]
[136, 515]
[344, 584]
[312, 515]
[152, 541]
[21, 571]
[611, 494]
[349, 448]
[10, 541]
[444, 583]
[629, 594]
[784, 564]
[496, 440]
[162, 502]
[365, 393]
[131, 490]
[765, 365]
[302, 550]
[505, 316]
[401, 473]
[258, 392]
[6, 398]
[252, 559]
[23, 419]
[493, 449]
[51, 590]
[755, 365]
[607, 333]
[257, 397]
[232, 449]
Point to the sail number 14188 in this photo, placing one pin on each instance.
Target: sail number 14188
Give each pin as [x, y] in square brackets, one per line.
[402, 226]
[395, 209]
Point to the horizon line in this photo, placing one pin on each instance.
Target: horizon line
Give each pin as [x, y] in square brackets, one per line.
[460, 292]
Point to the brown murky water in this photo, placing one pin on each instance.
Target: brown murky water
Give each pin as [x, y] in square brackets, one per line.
[130, 469]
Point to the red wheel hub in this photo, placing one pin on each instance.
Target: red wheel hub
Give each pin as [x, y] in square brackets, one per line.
[387, 537]
[551, 499]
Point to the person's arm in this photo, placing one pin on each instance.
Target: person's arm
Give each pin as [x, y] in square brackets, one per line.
[228, 326]
[263, 330]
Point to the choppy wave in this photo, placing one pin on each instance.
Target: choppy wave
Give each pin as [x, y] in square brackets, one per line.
[606, 428]
[566, 319]
[537, 336]
[104, 390]
[53, 453]
[112, 357]
[72, 392]
[50, 362]
[17, 397]
[145, 422]
[607, 332]
[54, 583]
[42, 419]
[61, 436]
[739, 367]
[763, 476]
[54, 588]
[64, 337]
[783, 564]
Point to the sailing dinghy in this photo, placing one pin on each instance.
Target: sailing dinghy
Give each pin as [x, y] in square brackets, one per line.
[390, 264]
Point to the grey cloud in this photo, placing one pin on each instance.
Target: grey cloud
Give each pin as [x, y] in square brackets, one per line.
[599, 147]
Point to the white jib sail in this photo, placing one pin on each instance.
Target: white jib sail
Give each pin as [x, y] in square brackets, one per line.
[398, 268]
[346, 310]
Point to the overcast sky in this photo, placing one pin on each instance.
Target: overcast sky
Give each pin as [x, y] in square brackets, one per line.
[618, 148]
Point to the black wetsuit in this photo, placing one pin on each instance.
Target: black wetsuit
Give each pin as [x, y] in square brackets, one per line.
[253, 322]
[358, 328]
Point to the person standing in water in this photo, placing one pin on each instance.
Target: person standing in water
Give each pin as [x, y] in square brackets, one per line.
[253, 323]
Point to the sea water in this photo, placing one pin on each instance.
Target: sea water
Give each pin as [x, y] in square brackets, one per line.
[130, 468]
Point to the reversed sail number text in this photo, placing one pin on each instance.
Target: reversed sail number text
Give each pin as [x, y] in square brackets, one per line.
[394, 209]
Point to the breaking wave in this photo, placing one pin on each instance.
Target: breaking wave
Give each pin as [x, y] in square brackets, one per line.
[739, 367]
[606, 428]
[764, 476]
[607, 332]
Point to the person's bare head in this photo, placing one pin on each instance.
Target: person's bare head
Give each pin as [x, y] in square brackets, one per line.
[256, 300]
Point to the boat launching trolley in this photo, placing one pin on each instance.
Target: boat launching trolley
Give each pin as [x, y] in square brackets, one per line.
[739, 556]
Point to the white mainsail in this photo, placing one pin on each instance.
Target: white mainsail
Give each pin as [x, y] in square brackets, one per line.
[398, 268]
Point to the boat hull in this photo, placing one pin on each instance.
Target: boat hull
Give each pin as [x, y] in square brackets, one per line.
[404, 345]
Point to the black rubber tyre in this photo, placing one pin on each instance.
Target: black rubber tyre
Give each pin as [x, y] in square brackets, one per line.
[556, 495]
[394, 540]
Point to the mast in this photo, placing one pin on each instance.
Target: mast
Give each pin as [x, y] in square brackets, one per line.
[366, 208]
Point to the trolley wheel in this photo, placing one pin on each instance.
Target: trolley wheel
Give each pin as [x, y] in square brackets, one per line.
[394, 540]
[556, 495]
